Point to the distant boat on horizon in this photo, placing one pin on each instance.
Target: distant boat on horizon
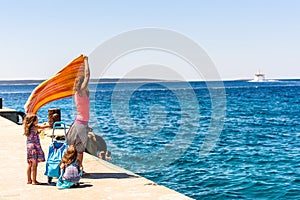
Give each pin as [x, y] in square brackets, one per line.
[259, 77]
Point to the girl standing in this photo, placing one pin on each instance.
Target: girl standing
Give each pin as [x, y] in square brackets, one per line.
[35, 153]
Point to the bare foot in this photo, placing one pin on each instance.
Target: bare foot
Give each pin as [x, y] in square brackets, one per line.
[36, 183]
[29, 182]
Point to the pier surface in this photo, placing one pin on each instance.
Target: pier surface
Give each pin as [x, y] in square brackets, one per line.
[104, 181]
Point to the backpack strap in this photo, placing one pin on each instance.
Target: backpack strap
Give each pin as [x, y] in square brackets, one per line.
[80, 171]
[75, 162]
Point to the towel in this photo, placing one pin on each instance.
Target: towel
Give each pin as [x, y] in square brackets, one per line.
[61, 85]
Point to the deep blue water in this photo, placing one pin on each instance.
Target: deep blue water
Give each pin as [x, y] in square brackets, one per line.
[157, 130]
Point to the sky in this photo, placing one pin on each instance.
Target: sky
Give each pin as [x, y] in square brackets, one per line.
[38, 38]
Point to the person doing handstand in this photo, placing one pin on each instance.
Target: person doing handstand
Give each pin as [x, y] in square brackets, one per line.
[78, 133]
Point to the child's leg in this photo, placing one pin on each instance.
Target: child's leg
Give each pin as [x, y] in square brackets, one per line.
[34, 171]
[29, 181]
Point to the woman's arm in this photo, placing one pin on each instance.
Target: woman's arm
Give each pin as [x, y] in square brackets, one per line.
[86, 74]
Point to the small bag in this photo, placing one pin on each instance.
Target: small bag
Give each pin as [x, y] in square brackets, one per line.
[69, 176]
[71, 173]
[63, 184]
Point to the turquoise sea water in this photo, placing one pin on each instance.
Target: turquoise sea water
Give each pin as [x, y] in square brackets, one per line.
[257, 155]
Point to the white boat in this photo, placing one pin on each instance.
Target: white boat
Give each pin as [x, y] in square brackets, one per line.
[259, 77]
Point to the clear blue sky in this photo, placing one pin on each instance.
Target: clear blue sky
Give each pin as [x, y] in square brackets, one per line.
[241, 36]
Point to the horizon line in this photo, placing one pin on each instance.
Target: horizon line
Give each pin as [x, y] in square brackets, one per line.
[149, 79]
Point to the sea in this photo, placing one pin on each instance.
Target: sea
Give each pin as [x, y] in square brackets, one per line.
[224, 140]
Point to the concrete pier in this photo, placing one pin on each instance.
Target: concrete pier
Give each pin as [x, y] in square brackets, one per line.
[12, 115]
[105, 180]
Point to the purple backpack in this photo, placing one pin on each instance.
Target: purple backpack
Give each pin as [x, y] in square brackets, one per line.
[72, 173]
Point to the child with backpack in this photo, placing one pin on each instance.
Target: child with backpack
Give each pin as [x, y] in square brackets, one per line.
[71, 169]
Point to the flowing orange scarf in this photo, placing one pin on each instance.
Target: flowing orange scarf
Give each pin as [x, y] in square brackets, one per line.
[59, 86]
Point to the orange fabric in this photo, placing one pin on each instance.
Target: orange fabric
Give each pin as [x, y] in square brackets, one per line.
[59, 86]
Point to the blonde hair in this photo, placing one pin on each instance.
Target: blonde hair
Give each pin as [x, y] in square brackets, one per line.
[29, 123]
[69, 156]
[78, 83]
